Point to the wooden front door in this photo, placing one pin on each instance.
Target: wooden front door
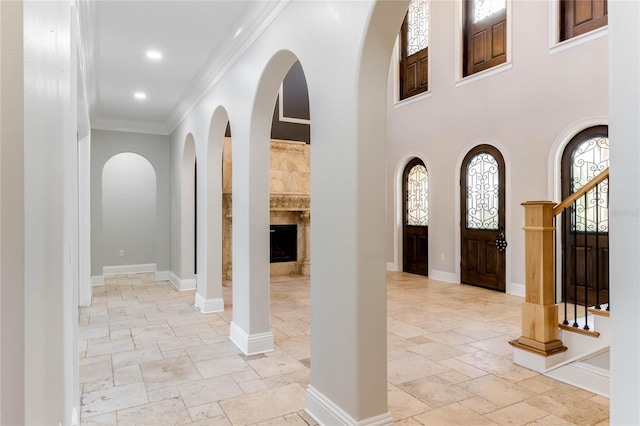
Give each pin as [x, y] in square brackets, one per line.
[415, 229]
[482, 218]
[585, 226]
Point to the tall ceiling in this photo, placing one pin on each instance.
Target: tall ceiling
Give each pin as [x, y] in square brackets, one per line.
[197, 39]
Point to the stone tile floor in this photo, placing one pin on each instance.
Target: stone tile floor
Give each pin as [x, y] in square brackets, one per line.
[148, 357]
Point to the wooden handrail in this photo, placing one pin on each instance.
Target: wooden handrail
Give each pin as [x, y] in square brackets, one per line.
[580, 192]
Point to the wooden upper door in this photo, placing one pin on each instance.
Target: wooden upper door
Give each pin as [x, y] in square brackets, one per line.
[585, 226]
[415, 235]
[482, 218]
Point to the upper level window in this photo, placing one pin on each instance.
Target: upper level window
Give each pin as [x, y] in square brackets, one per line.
[485, 34]
[578, 17]
[414, 51]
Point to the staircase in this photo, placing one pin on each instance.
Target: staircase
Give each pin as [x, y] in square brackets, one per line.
[577, 350]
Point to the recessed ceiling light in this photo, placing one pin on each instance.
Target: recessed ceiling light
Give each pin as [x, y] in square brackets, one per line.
[140, 95]
[238, 32]
[154, 54]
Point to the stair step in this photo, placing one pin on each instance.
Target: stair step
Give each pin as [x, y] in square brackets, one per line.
[603, 311]
[580, 329]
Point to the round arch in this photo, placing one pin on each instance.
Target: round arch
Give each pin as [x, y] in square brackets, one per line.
[188, 215]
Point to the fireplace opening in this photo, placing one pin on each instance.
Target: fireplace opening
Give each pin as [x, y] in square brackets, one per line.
[284, 243]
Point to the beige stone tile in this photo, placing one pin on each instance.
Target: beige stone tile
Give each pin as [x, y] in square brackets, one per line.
[215, 350]
[536, 385]
[95, 359]
[549, 420]
[600, 400]
[167, 372]
[570, 407]
[206, 411]
[435, 391]
[190, 329]
[496, 390]
[407, 422]
[113, 399]
[450, 338]
[86, 333]
[97, 385]
[264, 405]
[279, 363]
[453, 414]
[245, 376]
[174, 353]
[214, 421]
[168, 412]
[163, 393]
[497, 345]
[517, 414]
[108, 419]
[221, 366]
[173, 343]
[290, 419]
[412, 368]
[95, 349]
[403, 405]
[479, 405]
[404, 330]
[97, 371]
[435, 351]
[136, 356]
[157, 331]
[463, 368]
[127, 375]
[453, 376]
[209, 390]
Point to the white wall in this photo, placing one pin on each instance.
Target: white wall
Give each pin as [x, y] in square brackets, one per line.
[154, 148]
[521, 111]
[51, 214]
[128, 210]
[12, 296]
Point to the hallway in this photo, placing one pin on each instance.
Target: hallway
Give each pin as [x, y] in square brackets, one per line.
[148, 357]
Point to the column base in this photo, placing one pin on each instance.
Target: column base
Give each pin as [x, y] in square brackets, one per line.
[306, 268]
[208, 306]
[251, 344]
[326, 412]
[541, 348]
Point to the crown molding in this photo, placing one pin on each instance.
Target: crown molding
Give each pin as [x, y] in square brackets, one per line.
[132, 126]
[215, 69]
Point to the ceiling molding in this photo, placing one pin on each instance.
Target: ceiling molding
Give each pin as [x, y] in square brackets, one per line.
[218, 65]
[151, 128]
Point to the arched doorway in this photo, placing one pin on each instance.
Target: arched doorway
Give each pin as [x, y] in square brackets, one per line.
[585, 226]
[482, 218]
[415, 223]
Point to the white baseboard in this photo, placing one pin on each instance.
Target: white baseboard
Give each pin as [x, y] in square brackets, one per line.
[447, 277]
[208, 306]
[326, 412]
[128, 269]
[163, 275]
[391, 266]
[584, 376]
[97, 280]
[517, 289]
[188, 284]
[254, 344]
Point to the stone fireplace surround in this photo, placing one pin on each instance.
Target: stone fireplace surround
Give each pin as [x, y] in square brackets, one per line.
[289, 202]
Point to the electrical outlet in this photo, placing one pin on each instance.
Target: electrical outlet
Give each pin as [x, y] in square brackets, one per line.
[441, 257]
[121, 253]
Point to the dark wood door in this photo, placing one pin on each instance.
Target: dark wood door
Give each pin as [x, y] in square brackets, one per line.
[585, 226]
[415, 235]
[482, 218]
[485, 43]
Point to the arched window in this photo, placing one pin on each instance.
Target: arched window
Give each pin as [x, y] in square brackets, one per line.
[414, 50]
[482, 203]
[415, 188]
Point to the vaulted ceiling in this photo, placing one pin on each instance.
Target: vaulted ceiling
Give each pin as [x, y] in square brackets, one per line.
[197, 40]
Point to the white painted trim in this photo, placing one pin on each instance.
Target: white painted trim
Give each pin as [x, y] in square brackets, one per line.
[97, 280]
[179, 284]
[516, 289]
[208, 306]
[584, 376]
[555, 45]
[484, 74]
[326, 412]
[391, 266]
[128, 269]
[444, 276]
[188, 284]
[413, 99]
[163, 276]
[253, 344]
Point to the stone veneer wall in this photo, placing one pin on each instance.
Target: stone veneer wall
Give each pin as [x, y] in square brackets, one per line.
[290, 197]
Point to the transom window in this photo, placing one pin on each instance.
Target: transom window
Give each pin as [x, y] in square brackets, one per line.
[484, 8]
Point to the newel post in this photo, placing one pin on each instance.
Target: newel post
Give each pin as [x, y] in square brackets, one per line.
[539, 310]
